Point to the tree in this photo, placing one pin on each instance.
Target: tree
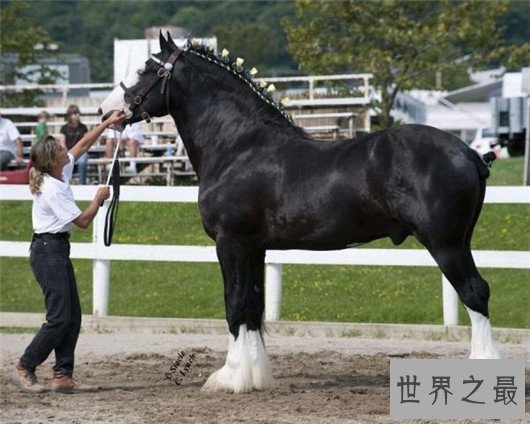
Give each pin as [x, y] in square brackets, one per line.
[253, 42]
[18, 40]
[248, 29]
[403, 43]
[89, 28]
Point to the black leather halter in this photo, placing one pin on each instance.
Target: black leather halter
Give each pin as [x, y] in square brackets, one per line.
[164, 73]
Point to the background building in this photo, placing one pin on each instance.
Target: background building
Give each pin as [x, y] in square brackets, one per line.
[130, 55]
[471, 111]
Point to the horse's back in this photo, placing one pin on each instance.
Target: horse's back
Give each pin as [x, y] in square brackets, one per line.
[413, 151]
[414, 176]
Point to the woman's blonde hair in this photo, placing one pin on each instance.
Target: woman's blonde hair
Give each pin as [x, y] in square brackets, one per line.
[43, 158]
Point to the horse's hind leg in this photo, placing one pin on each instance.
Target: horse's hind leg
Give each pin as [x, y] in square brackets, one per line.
[459, 268]
[247, 366]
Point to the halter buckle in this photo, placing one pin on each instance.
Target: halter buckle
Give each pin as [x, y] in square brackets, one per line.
[138, 100]
[146, 117]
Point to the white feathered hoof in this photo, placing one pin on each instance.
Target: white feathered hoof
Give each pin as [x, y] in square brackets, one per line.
[482, 344]
[246, 368]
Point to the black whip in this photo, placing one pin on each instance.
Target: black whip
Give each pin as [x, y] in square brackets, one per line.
[112, 211]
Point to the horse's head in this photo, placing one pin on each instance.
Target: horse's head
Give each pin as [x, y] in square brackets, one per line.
[145, 93]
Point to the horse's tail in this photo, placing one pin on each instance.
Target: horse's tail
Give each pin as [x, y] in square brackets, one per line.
[483, 163]
[487, 159]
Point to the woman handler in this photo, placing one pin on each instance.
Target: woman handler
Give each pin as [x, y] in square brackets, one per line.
[54, 212]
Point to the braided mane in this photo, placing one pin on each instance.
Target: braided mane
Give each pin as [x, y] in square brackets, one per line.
[228, 63]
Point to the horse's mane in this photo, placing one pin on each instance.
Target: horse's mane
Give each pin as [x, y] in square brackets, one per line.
[230, 65]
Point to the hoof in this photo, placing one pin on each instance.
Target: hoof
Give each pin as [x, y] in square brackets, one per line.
[482, 343]
[491, 353]
[246, 368]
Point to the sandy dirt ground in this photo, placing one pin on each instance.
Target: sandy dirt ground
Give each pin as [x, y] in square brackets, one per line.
[319, 380]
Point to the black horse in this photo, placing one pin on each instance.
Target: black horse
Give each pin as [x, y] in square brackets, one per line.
[266, 184]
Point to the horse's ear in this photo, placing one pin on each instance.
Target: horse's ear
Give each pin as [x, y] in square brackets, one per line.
[164, 46]
[171, 42]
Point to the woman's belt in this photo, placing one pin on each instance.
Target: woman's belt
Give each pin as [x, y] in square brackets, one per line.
[58, 236]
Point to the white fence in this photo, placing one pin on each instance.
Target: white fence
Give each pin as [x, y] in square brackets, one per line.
[311, 80]
[102, 256]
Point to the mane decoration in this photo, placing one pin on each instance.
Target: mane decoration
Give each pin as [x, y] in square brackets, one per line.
[235, 67]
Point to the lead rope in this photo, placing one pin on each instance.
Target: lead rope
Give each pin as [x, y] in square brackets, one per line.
[112, 211]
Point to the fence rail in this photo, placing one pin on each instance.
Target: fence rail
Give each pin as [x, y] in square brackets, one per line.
[359, 95]
[310, 80]
[102, 256]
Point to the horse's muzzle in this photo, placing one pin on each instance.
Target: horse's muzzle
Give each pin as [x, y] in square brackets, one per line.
[119, 126]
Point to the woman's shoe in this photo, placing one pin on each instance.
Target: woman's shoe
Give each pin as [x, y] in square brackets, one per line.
[64, 383]
[27, 381]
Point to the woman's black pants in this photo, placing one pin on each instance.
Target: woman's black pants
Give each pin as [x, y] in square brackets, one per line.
[51, 265]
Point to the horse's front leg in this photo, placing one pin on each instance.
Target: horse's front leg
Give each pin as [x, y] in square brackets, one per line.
[247, 366]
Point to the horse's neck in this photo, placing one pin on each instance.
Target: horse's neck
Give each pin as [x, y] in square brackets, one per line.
[213, 122]
[193, 151]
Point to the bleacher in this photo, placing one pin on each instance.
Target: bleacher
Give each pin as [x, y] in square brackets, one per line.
[152, 162]
[326, 118]
[156, 159]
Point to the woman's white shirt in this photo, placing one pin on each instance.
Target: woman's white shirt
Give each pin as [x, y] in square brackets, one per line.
[55, 209]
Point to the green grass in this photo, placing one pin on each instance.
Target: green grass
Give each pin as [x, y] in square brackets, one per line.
[507, 172]
[138, 223]
[393, 294]
[155, 289]
[323, 293]
[18, 330]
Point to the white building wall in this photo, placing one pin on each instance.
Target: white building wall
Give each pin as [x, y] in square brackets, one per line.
[460, 116]
[130, 55]
[512, 85]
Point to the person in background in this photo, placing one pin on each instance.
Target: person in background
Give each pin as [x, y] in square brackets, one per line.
[131, 137]
[11, 146]
[180, 149]
[53, 215]
[71, 133]
[41, 130]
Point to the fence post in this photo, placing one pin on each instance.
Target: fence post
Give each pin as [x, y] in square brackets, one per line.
[100, 267]
[273, 291]
[450, 302]
[311, 88]
[65, 96]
